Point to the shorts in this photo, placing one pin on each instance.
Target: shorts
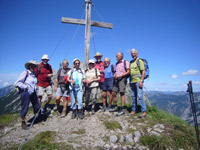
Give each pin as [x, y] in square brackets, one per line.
[120, 85]
[42, 90]
[108, 84]
[62, 92]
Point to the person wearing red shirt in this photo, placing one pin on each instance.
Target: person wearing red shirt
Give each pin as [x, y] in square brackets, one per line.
[100, 65]
[44, 73]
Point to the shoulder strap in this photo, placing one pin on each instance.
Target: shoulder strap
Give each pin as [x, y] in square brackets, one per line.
[59, 71]
[96, 72]
[125, 65]
[112, 69]
[27, 74]
[72, 70]
[39, 68]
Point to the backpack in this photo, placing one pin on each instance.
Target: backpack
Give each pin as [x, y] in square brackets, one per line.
[18, 89]
[59, 72]
[146, 67]
[113, 69]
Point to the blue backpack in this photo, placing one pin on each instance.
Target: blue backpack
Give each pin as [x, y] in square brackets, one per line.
[146, 67]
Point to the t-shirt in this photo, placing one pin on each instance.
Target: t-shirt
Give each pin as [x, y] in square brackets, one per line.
[100, 66]
[91, 74]
[119, 68]
[108, 72]
[43, 80]
[135, 71]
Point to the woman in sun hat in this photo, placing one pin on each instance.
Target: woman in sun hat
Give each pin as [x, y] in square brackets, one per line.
[92, 77]
[27, 83]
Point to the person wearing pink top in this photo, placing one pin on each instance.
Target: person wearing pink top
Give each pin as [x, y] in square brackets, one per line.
[122, 69]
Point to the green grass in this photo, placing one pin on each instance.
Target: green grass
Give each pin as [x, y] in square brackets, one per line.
[7, 119]
[42, 141]
[112, 125]
[155, 142]
[81, 131]
[178, 133]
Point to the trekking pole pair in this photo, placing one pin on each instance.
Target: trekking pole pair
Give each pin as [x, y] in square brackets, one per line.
[190, 90]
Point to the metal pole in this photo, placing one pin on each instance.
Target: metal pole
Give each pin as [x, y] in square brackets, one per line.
[87, 31]
[190, 90]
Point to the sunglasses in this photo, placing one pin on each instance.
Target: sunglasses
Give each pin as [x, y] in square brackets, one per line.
[32, 66]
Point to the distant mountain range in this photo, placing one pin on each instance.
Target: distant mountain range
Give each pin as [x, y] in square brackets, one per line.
[4, 91]
[176, 103]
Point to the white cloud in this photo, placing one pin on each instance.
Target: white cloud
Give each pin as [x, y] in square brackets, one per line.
[174, 76]
[190, 72]
[6, 84]
[196, 82]
[1, 81]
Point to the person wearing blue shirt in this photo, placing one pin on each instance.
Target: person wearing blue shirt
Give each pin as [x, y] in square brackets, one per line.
[107, 84]
[27, 83]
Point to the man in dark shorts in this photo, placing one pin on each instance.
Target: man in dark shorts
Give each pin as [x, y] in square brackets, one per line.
[107, 84]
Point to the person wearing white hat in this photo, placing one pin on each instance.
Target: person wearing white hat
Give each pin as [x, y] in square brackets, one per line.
[92, 77]
[76, 78]
[27, 86]
[44, 74]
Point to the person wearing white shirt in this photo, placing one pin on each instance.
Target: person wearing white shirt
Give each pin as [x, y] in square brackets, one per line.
[27, 85]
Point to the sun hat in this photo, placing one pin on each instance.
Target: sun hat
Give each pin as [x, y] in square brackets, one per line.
[45, 56]
[98, 55]
[76, 60]
[91, 61]
[30, 62]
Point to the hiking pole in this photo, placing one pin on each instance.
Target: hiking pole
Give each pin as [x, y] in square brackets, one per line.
[190, 90]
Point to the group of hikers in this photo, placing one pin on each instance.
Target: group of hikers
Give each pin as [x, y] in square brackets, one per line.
[78, 85]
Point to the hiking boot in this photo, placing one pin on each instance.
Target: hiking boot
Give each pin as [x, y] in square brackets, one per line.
[133, 112]
[142, 115]
[80, 114]
[56, 107]
[93, 111]
[113, 109]
[103, 109]
[63, 113]
[24, 126]
[73, 114]
[122, 112]
[45, 108]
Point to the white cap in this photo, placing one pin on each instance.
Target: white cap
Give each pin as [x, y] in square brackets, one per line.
[76, 60]
[91, 61]
[45, 56]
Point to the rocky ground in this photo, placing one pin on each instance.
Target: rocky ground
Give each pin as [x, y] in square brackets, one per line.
[89, 133]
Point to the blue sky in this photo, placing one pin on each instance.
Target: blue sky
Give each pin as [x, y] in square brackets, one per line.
[165, 32]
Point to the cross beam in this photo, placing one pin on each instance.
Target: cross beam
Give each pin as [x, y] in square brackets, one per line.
[87, 22]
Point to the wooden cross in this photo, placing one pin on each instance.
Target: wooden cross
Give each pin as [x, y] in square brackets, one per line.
[87, 22]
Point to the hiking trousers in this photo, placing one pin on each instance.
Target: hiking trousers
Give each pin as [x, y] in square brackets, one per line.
[26, 98]
[136, 93]
[76, 93]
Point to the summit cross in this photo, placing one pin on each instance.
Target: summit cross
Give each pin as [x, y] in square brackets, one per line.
[87, 22]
